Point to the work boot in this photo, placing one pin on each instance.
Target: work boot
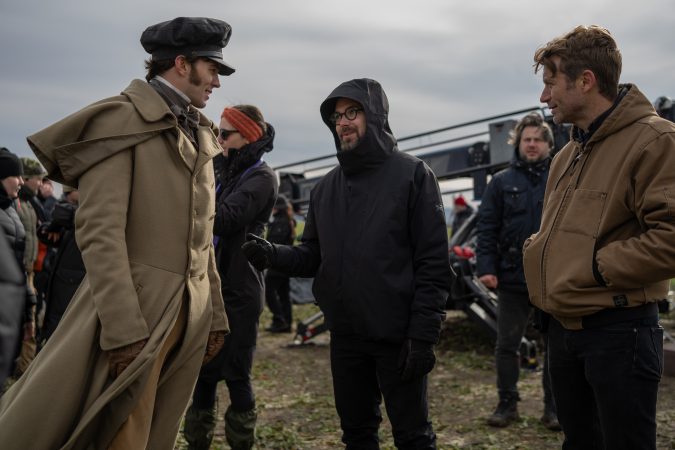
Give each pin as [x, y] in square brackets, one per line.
[198, 428]
[240, 428]
[550, 419]
[278, 328]
[506, 412]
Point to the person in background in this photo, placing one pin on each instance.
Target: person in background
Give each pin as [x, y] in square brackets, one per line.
[509, 213]
[30, 210]
[31, 215]
[605, 252]
[247, 189]
[46, 197]
[281, 230]
[376, 243]
[12, 293]
[67, 268]
[121, 366]
[18, 311]
[461, 212]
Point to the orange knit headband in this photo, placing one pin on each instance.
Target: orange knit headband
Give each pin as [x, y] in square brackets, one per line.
[246, 126]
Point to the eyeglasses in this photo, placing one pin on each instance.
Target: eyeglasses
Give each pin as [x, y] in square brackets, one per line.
[224, 134]
[350, 114]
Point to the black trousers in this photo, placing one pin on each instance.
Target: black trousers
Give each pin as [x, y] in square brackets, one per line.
[605, 381]
[277, 296]
[363, 373]
[512, 317]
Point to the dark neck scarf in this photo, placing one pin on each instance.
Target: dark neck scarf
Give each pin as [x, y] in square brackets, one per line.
[186, 115]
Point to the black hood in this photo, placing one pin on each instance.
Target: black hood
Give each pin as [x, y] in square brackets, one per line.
[379, 141]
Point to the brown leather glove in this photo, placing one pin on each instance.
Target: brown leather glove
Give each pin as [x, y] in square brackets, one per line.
[120, 358]
[213, 345]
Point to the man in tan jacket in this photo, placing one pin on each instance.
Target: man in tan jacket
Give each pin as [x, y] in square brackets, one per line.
[119, 370]
[605, 251]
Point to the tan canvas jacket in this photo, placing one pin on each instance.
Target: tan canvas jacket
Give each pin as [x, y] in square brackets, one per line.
[610, 204]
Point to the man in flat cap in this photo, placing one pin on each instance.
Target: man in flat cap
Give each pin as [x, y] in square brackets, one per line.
[121, 365]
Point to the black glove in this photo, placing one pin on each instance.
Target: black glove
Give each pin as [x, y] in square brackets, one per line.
[416, 359]
[259, 252]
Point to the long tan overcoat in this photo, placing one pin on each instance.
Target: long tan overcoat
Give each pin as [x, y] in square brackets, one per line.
[144, 226]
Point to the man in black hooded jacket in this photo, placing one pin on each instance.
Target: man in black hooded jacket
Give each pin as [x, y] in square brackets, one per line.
[375, 241]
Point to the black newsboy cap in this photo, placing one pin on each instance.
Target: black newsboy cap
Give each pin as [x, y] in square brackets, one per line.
[189, 36]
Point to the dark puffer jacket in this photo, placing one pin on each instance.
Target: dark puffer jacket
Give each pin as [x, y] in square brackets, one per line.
[375, 238]
[12, 226]
[247, 192]
[12, 295]
[509, 213]
[244, 204]
[281, 230]
[12, 233]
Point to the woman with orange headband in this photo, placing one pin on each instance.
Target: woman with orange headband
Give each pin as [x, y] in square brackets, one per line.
[246, 192]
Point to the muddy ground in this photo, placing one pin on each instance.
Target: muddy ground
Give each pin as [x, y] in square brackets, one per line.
[296, 407]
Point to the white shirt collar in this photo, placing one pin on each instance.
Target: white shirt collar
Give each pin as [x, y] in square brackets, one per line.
[178, 91]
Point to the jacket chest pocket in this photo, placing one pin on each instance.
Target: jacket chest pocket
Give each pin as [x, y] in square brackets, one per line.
[515, 199]
[583, 213]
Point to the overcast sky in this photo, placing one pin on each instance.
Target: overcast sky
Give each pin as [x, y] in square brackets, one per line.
[440, 62]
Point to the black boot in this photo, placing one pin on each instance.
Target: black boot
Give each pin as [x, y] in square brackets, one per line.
[550, 418]
[240, 428]
[279, 328]
[506, 412]
[198, 428]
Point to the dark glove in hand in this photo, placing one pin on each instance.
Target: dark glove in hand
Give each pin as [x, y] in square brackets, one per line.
[416, 359]
[259, 252]
[213, 345]
[120, 358]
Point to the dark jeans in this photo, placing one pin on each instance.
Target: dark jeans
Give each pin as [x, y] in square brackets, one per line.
[605, 381]
[363, 373]
[242, 397]
[512, 317]
[277, 295]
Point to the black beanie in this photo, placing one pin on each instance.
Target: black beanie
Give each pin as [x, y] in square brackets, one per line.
[10, 164]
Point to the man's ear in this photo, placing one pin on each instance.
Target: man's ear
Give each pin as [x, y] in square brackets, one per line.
[587, 80]
[181, 65]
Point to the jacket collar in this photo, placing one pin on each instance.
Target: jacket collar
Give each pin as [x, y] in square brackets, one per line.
[629, 107]
[138, 94]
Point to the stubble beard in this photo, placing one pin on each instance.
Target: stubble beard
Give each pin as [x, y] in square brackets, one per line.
[350, 144]
[345, 146]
